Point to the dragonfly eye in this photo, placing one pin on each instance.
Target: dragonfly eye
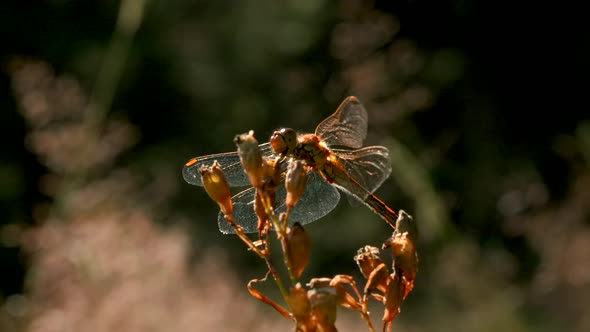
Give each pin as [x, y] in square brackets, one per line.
[284, 140]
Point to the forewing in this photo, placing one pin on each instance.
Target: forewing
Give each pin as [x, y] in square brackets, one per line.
[319, 199]
[230, 165]
[347, 127]
[369, 166]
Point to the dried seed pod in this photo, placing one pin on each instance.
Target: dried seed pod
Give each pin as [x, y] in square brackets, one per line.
[393, 299]
[324, 303]
[405, 256]
[251, 158]
[217, 187]
[404, 253]
[298, 249]
[295, 183]
[299, 303]
[403, 246]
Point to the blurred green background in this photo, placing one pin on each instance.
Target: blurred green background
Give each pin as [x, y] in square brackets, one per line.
[480, 104]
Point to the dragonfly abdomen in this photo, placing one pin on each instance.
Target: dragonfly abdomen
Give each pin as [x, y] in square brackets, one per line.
[381, 209]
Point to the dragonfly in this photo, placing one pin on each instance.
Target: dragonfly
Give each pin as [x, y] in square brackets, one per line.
[334, 153]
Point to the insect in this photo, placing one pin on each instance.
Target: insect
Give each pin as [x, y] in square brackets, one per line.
[336, 157]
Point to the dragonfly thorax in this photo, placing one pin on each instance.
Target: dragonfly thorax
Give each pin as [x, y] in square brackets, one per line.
[311, 151]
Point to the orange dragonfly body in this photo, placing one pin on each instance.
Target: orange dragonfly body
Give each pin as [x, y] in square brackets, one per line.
[334, 152]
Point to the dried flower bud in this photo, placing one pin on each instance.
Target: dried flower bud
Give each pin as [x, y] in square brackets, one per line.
[377, 280]
[405, 224]
[217, 187]
[251, 158]
[298, 249]
[295, 183]
[367, 258]
[345, 298]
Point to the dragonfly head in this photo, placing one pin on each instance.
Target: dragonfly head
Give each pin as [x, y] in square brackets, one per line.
[284, 140]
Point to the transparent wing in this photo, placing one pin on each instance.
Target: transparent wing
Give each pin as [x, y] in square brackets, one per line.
[347, 127]
[230, 165]
[318, 200]
[368, 167]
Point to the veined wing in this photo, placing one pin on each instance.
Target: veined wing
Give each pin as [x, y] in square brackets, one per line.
[230, 165]
[318, 200]
[368, 167]
[347, 127]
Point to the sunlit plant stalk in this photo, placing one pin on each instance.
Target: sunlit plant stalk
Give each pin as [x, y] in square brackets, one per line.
[314, 308]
